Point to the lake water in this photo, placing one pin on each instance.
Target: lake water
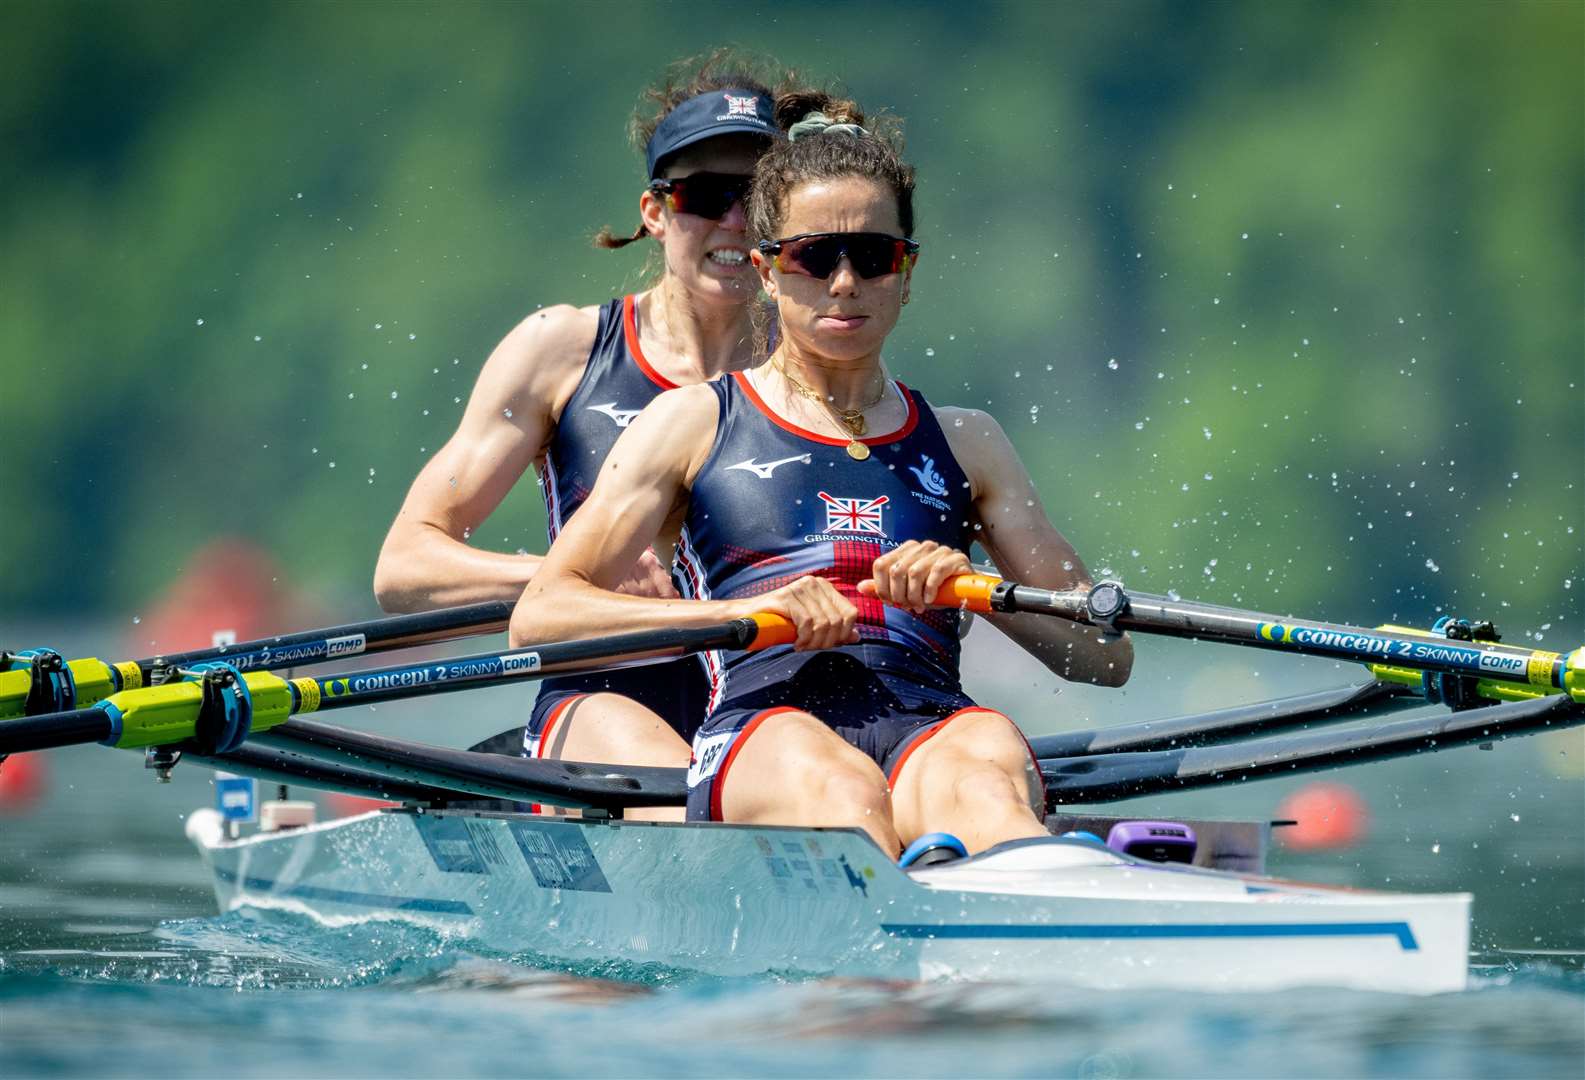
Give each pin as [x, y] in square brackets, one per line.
[113, 961]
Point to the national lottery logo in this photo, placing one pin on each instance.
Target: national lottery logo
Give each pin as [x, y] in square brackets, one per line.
[854, 515]
[929, 479]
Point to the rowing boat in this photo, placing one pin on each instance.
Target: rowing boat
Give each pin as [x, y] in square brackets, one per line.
[750, 900]
[741, 899]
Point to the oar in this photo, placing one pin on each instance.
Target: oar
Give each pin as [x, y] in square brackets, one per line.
[40, 681]
[1372, 699]
[1520, 673]
[220, 707]
[1107, 777]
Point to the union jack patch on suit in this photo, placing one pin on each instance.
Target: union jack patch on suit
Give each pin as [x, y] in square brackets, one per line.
[854, 515]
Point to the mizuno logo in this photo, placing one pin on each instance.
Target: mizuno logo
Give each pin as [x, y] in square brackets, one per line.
[623, 417]
[764, 471]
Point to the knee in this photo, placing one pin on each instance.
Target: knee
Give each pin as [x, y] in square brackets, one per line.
[855, 795]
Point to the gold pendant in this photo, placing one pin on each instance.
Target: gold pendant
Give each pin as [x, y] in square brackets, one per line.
[858, 451]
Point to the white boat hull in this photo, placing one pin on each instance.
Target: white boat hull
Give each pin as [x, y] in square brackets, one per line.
[742, 900]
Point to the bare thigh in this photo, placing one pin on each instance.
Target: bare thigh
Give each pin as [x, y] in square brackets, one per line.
[794, 770]
[619, 731]
[974, 778]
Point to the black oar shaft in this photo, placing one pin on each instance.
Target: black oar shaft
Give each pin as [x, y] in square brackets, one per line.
[1109, 604]
[1237, 722]
[595, 654]
[332, 643]
[1109, 777]
[54, 730]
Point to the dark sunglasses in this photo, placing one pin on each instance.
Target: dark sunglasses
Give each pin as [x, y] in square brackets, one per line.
[817, 254]
[704, 194]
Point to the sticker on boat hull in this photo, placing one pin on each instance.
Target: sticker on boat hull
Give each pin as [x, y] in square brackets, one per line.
[450, 844]
[558, 856]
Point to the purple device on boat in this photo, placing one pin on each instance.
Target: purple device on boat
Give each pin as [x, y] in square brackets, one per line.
[1157, 841]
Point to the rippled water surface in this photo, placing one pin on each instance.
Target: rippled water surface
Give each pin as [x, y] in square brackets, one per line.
[113, 962]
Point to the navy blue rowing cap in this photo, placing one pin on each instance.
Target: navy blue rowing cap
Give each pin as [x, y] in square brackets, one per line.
[712, 113]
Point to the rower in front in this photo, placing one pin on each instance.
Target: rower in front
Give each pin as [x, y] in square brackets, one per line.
[563, 385]
[817, 487]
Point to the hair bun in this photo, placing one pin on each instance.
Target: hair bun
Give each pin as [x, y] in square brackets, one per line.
[818, 123]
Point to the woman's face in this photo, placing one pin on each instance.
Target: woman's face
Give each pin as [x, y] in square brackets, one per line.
[708, 258]
[843, 318]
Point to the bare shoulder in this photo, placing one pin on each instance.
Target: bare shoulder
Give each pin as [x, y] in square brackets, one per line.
[552, 340]
[974, 435]
[675, 431]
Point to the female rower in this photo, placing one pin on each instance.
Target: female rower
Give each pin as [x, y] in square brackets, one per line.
[818, 488]
[559, 389]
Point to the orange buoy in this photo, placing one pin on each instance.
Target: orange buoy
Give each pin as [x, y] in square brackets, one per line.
[339, 804]
[22, 782]
[1329, 815]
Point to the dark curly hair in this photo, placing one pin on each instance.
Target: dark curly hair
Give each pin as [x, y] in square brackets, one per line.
[874, 155]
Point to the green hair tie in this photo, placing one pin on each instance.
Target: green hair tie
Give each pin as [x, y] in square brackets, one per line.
[818, 123]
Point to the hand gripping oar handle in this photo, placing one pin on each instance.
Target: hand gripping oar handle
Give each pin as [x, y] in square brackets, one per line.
[174, 712]
[1110, 606]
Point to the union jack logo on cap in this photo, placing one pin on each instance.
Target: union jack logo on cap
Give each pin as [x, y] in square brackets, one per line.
[740, 106]
[854, 515]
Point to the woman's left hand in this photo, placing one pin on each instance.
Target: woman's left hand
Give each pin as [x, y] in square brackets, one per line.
[911, 574]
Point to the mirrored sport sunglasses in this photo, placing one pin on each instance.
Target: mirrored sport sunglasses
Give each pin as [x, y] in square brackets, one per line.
[704, 194]
[871, 254]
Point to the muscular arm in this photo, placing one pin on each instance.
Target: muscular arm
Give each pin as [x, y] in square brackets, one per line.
[644, 481]
[645, 476]
[426, 561]
[1027, 548]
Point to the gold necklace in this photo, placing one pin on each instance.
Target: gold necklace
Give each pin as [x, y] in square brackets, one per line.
[851, 419]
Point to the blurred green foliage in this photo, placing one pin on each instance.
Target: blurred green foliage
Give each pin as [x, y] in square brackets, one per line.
[1281, 302]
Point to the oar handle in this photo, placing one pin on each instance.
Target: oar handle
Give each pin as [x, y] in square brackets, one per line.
[970, 591]
[771, 630]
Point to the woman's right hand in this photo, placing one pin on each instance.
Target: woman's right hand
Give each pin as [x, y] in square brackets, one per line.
[823, 617]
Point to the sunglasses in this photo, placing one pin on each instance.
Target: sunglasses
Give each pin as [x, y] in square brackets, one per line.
[871, 254]
[704, 194]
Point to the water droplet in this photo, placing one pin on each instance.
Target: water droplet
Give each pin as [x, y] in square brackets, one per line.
[1430, 564]
[1112, 363]
[508, 412]
[332, 464]
[136, 619]
[199, 322]
[393, 395]
[930, 352]
[1206, 432]
[412, 337]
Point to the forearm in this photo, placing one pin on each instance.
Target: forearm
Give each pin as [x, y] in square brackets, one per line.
[423, 568]
[1074, 651]
[566, 607]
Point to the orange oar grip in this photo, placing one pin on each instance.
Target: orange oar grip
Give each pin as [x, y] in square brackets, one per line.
[773, 630]
[972, 591]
